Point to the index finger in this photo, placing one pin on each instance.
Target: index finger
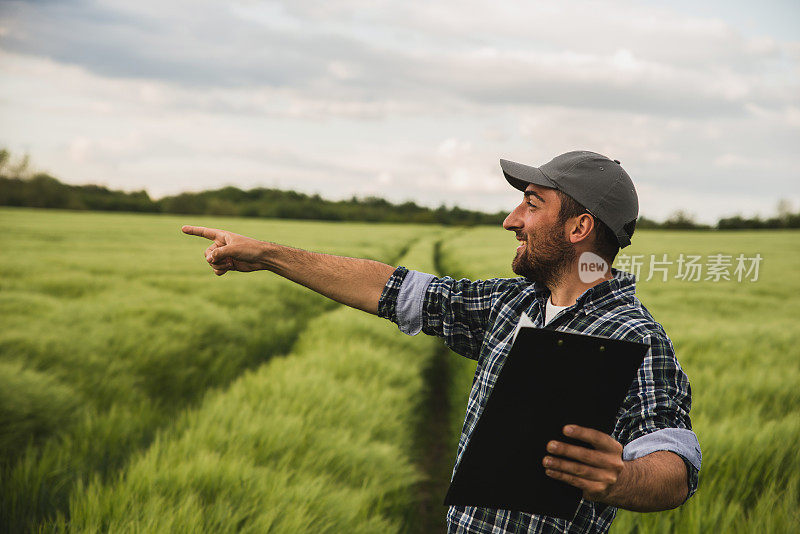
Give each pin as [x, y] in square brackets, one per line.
[202, 231]
[600, 440]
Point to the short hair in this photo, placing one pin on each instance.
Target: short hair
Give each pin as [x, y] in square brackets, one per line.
[606, 243]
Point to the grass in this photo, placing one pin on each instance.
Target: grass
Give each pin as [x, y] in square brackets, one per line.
[139, 392]
[113, 324]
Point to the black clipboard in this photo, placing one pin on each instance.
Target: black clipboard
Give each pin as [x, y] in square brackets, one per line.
[549, 379]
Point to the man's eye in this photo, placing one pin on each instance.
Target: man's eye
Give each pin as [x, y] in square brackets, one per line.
[531, 204]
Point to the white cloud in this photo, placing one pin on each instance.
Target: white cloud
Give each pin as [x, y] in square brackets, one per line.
[575, 54]
[453, 148]
[79, 149]
[733, 161]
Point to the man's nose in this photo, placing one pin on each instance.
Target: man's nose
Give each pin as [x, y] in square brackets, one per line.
[513, 221]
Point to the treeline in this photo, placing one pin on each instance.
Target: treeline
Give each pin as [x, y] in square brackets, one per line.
[44, 191]
[681, 220]
[19, 187]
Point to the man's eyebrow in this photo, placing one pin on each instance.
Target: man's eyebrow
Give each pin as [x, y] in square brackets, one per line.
[530, 192]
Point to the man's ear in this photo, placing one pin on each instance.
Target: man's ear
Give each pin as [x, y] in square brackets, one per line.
[580, 228]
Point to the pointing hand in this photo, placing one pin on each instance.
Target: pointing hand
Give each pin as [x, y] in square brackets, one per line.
[229, 251]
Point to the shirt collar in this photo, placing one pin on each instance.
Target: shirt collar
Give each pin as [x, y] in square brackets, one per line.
[621, 287]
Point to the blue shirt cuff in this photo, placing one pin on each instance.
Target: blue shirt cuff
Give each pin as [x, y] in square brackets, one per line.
[678, 440]
[681, 441]
[410, 300]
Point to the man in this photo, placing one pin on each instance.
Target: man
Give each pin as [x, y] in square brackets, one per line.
[579, 205]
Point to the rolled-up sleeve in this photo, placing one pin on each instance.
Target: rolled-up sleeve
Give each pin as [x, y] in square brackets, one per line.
[681, 441]
[655, 414]
[402, 299]
[410, 301]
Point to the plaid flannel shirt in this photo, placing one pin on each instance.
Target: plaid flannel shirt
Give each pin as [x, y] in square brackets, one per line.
[477, 319]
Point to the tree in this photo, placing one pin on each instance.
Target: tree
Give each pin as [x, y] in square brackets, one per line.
[680, 220]
[784, 209]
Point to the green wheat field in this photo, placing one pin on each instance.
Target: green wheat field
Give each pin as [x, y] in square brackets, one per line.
[141, 393]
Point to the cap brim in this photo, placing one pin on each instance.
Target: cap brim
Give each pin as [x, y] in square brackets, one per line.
[520, 176]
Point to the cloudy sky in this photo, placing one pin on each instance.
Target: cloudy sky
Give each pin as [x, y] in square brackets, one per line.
[408, 100]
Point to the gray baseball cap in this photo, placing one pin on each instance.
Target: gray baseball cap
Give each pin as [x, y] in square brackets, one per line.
[599, 184]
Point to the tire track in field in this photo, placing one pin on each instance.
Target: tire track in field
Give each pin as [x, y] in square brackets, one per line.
[61, 483]
[433, 443]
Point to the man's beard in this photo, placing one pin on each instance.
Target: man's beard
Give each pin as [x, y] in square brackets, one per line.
[551, 261]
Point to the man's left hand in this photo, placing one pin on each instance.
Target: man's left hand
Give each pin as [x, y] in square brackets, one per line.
[595, 471]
